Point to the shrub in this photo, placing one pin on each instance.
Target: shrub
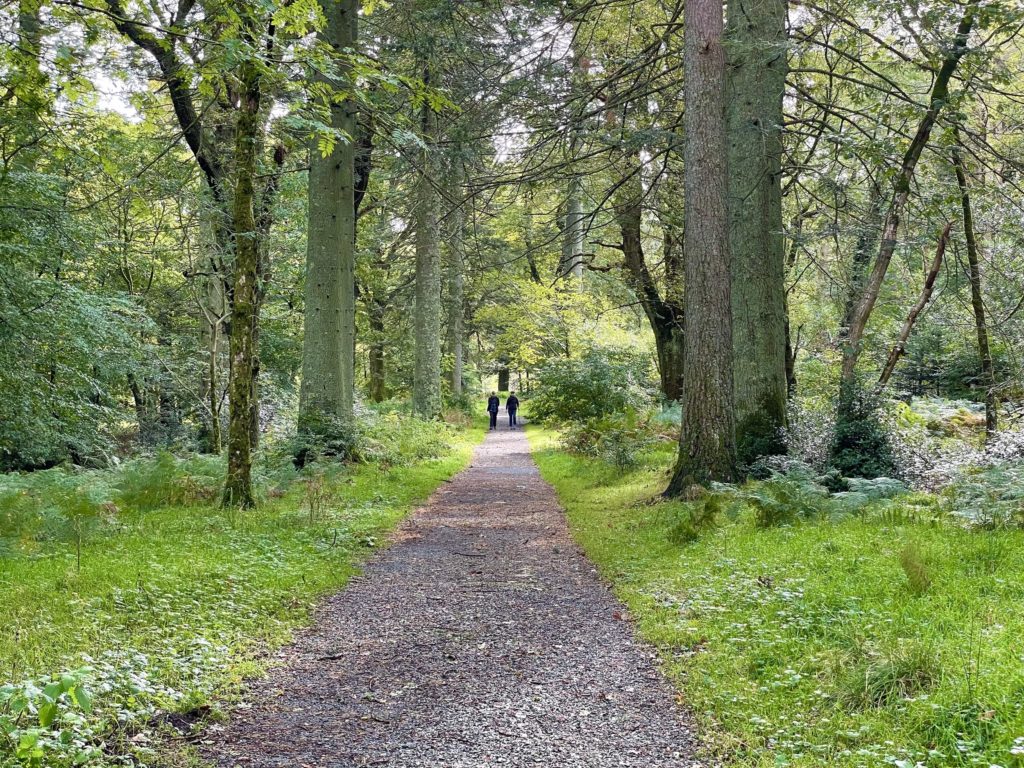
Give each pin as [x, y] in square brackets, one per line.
[394, 440]
[860, 444]
[696, 519]
[54, 504]
[991, 497]
[167, 481]
[782, 500]
[620, 439]
[601, 382]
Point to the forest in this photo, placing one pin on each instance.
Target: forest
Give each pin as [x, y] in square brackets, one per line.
[754, 269]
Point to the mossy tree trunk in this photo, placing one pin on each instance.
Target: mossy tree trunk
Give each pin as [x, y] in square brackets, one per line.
[756, 38]
[326, 396]
[238, 489]
[707, 441]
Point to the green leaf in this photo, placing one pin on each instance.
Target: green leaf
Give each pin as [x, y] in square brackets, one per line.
[82, 698]
[47, 714]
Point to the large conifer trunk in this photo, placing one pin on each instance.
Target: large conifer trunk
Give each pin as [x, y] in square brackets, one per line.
[707, 447]
[325, 403]
[756, 82]
[426, 390]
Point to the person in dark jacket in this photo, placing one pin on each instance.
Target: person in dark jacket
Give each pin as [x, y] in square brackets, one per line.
[512, 405]
[493, 403]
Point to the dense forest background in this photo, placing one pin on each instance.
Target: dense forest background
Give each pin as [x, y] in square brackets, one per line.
[518, 202]
[755, 269]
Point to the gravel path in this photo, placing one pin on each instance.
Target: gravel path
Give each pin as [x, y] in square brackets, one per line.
[481, 637]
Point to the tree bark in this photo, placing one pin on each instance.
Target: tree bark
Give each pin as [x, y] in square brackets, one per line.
[707, 441]
[456, 286]
[426, 389]
[328, 375]
[572, 236]
[756, 38]
[890, 226]
[977, 297]
[375, 354]
[663, 314]
[238, 489]
[900, 347]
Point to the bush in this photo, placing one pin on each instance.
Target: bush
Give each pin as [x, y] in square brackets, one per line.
[167, 481]
[860, 444]
[620, 439]
[991, 497]
[54, 504]
[696, 519]
[602, 382]
[395, 440]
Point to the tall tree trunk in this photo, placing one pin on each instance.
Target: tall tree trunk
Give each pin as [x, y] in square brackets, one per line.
[707, 441]
[890, 226]
[756, 82]
[426, 389]
[328, 375]
[456, 288]
[900, 347]
[375, 353]
[977, 297]
[238, 489]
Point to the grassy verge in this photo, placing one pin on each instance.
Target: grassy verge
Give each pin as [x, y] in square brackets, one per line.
[870, 640]
[173, 606]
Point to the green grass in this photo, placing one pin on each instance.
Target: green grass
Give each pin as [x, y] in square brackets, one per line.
[174, 606]
[868, 641]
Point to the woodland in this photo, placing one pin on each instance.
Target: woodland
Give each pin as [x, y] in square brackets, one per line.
[755, 269]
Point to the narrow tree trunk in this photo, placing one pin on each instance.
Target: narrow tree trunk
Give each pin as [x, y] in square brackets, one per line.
[328, 375]
[572, 242]
[528, 245]
[756, 83]
[238, 489]
[143, 412]
[214, 394]
[900, 347]
[375, 352]
[665, 318]
[503, 375]
[901, 194]
[456, 291]
[707, 441]
[977, 297]
[792, 344]
[426, 389]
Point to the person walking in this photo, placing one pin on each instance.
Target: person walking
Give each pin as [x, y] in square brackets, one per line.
[511, 406]
[493, 404]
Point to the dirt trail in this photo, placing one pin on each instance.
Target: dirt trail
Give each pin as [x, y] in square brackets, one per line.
[481, 637]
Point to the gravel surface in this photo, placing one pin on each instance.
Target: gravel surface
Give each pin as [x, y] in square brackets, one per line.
[481, 637]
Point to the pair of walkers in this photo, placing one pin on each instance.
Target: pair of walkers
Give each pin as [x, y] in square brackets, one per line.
[511, 407]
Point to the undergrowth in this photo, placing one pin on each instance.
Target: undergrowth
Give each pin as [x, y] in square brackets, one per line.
[864, 627]
[174, 600]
